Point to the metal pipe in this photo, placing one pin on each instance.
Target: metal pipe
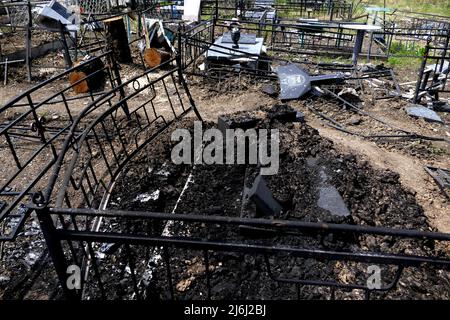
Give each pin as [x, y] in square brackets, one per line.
[275, 224]
[200, 244]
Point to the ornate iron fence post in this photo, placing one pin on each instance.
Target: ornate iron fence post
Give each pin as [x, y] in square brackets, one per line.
[56, 252]
[118, 79]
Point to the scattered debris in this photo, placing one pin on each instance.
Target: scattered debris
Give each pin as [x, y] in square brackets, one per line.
[146, 197]
[283, 113]
[4, 279]
[442, 178]
[244, 123]
[419, 111]
[54, 13]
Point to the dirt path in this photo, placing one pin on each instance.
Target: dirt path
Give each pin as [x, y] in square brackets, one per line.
[412, 174]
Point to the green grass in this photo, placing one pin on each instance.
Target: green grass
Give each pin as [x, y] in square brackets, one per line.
[410, 63]
[406, 50]
[404, 55]
[439, 7]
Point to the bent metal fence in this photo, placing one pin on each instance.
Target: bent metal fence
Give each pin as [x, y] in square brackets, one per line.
[99, 142]
[76, 221]
[163, 246]
[32, 128]
[89, 164]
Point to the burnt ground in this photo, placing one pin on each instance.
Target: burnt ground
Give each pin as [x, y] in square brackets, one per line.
[405, 157]
[374, 197]
[342, 155]
[26, 272]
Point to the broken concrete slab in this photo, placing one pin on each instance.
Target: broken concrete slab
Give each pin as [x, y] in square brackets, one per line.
[418, 111]
[294, 82]
[282, 113]
[261, 195]
[331, 200]
[224, 123]
[329, 197]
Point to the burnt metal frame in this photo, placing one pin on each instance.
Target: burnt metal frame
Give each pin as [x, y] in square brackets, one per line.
[440, 55]
[121, 151]
[129, 116]
[71, 231]
[330, 10]
[30, 127]
[57, 236]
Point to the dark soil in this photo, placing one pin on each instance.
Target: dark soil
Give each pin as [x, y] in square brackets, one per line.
[373, 197]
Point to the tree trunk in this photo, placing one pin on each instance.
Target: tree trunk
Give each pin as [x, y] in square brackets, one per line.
[154, 57]
[94, 82]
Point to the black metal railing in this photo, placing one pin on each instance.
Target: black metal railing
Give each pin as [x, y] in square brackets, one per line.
[434, 71]
[155, 252]
[324, 10]
[145, 248]
[34, 124]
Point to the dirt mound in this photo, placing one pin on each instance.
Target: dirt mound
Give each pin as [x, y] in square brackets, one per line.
[308, 165]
